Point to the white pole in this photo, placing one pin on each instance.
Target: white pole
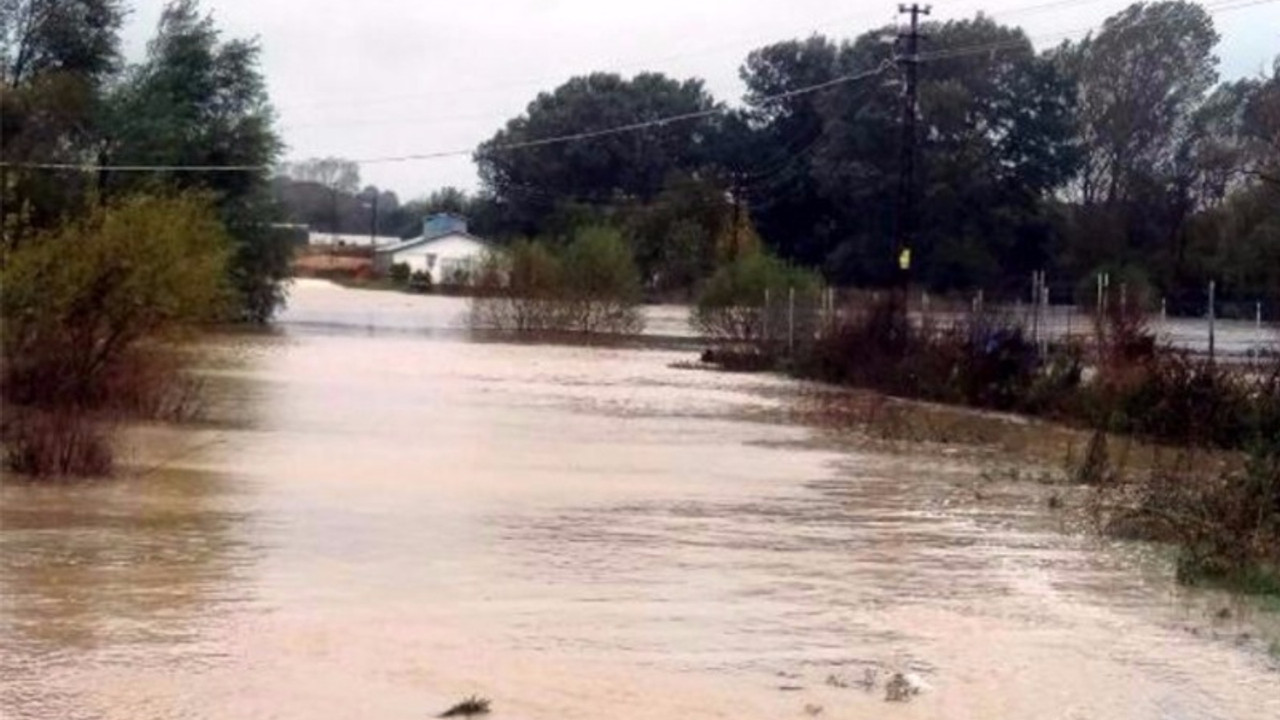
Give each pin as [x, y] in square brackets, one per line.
[831, 307]
[1257, 330]
[924, 310]
[764, 329]
[791, 321]
[1097, 306]
[1035, 307]
[1212, 288]
[1044, 302]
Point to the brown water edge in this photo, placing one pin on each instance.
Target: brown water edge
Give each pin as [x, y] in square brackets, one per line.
[378, 525]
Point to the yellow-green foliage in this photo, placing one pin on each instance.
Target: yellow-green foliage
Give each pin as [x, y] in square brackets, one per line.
[79, 300]
[592, 286]
[732, 304]
[601, 283]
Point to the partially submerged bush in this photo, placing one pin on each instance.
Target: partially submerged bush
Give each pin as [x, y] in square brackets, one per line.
[420, 282]
[399, 273]
[517, 290]
[987, 363]
[91, 312]
[63, 441]
[600, 284]
[746, 301]
[1226, 523]
[592, 287]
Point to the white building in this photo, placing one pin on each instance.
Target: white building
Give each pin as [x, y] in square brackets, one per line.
[445, 251]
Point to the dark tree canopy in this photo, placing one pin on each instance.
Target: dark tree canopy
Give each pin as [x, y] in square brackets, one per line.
[532, 180]
[995, 139]
[55, 58]
[1140, 79]
[75, 37]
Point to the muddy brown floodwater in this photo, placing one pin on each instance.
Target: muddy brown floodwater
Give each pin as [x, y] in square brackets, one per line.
[382, 517]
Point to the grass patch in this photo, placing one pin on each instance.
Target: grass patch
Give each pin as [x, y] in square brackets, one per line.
[1248, 580]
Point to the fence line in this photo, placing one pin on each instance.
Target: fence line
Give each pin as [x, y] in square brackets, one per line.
[791, 323]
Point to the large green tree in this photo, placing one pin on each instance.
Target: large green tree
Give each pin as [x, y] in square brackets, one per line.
[774, 155]
[1143, 80]
[1141, 77]
[531, 179]
[199, 101]
[56, 57]
[995, 139]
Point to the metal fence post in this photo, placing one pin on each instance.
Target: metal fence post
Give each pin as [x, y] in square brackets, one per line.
[764, 329]
[1257, 331]
[791, 320]
[1212, 288]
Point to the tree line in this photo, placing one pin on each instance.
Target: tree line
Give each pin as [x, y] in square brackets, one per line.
[1121, 152]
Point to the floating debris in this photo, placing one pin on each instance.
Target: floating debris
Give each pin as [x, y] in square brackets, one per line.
[901, 688]
[473, 705]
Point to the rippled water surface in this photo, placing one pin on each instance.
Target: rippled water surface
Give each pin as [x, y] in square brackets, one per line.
[383, 516]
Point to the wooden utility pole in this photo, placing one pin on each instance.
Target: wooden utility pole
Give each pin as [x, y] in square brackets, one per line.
[909, 60]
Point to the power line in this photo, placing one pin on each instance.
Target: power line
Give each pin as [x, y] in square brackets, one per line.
[637, 64]
[1211, 8]
[632, 127]
[540, 142]
[708, 50]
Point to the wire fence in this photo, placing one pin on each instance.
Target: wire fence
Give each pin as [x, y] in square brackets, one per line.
[787, 322]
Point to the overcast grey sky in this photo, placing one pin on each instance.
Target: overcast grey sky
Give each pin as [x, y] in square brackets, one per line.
[375, 78]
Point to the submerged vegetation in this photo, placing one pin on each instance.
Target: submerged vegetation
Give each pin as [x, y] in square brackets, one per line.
[1224, 521]
[93, 314]
[105, 274]
[1217, 500]
[590, 286]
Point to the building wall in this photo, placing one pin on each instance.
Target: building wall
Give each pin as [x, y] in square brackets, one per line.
[351, 240]
[438, 257]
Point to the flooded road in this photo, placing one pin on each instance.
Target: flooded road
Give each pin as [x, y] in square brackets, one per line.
[383, 517]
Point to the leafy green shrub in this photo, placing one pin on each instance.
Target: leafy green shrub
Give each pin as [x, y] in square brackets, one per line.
[732, 305]
[420, 281]
[399, 273]
[517, 289]
[92, 311]
[600, 285]
[591, 287]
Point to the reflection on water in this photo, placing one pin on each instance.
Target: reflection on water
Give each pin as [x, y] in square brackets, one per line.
[381, 522]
